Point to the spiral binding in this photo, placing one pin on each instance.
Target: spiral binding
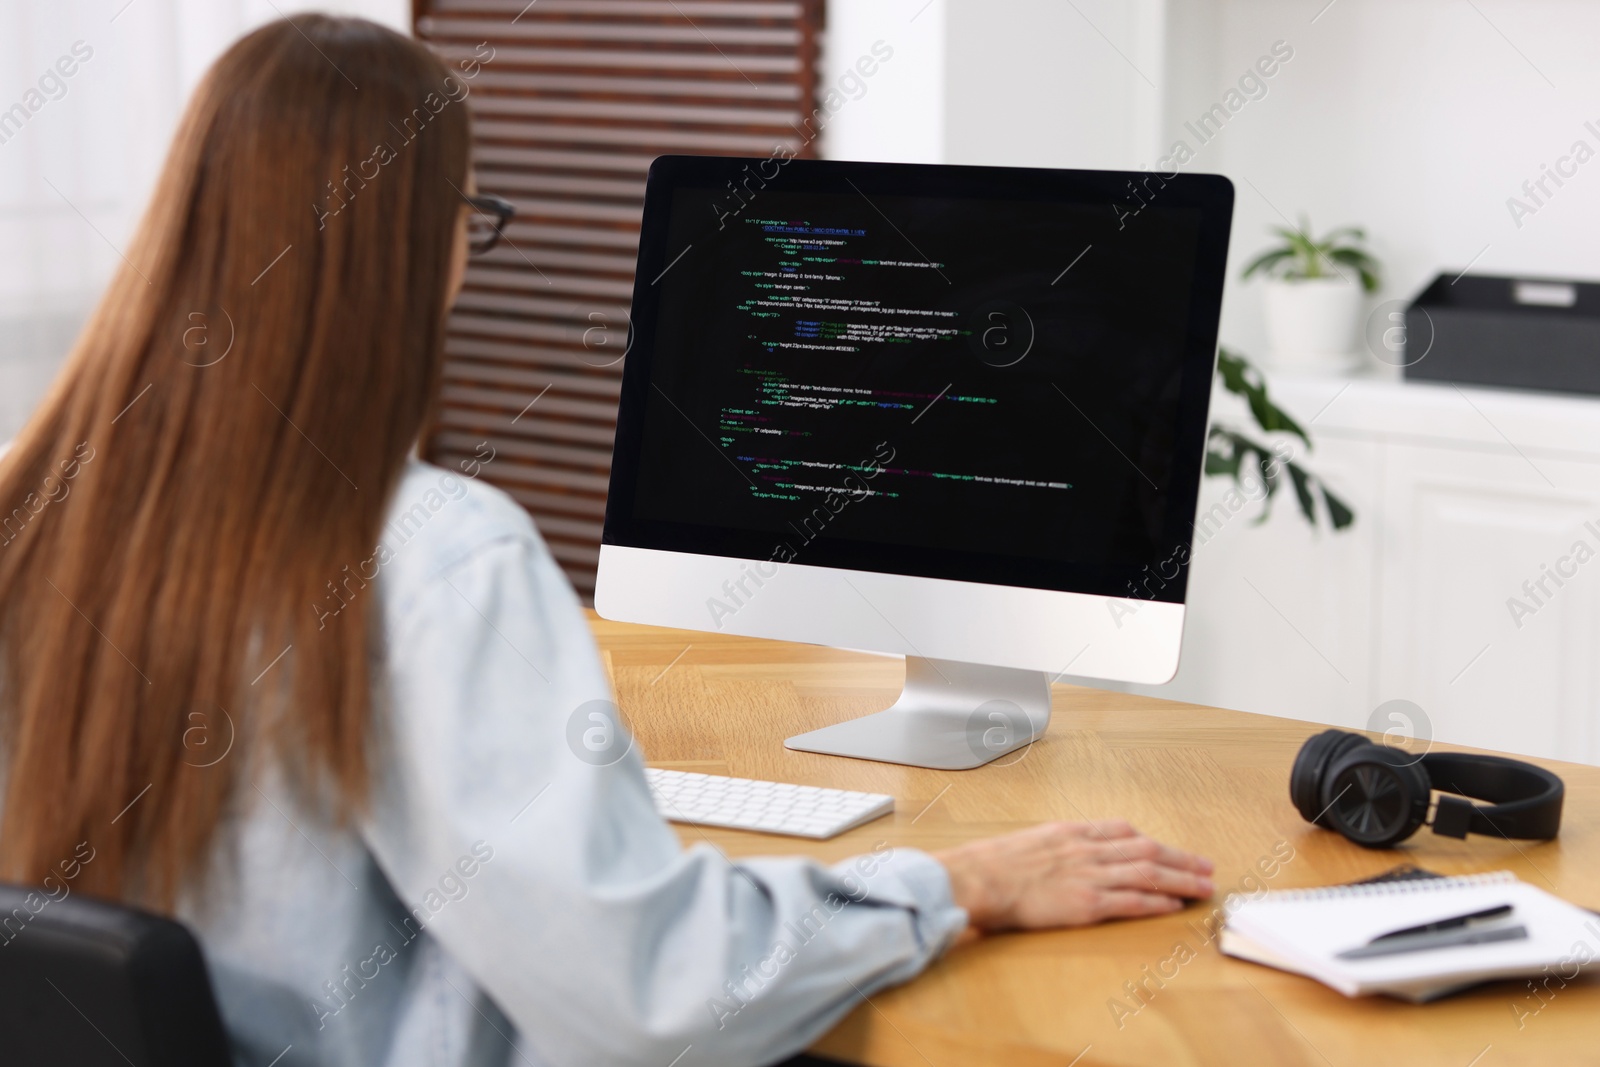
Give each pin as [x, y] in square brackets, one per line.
[1371, 889]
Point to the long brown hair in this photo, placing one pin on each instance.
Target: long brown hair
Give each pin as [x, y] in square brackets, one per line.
[220, 445]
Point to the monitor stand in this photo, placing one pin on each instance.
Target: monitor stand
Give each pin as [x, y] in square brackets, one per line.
[950, 716]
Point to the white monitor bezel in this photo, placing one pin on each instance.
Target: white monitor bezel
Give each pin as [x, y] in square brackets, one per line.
[1080, 634]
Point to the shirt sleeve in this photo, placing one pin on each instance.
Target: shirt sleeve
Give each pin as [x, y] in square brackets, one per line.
[520, 832]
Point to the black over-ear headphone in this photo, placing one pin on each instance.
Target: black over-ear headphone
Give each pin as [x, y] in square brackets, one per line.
[1377, 795]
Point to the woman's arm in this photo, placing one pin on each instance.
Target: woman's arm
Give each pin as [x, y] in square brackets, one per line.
[594, 931]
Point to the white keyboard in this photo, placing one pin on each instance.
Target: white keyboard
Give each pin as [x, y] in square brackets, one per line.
[765, 807]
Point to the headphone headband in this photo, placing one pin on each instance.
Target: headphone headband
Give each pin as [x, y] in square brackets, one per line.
[1525, 801]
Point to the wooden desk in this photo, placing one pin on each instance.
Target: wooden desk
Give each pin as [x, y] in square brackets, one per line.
[1210, 780]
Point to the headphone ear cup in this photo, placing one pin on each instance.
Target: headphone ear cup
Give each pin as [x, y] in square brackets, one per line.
[1375, 795]
[1310, 768]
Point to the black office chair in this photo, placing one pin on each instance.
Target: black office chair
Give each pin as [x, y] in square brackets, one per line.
[89, 983]
[94, 984]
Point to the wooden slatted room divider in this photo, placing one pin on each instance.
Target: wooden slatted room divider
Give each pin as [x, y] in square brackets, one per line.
[571, 100]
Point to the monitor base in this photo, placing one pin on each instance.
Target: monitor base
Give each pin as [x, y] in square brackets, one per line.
[950, 716]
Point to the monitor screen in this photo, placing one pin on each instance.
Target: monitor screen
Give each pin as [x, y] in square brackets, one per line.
[985, 374]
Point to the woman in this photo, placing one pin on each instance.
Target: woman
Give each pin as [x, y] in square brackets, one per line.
[272, 675]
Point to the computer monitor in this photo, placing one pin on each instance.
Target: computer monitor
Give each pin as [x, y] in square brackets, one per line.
[954, 413]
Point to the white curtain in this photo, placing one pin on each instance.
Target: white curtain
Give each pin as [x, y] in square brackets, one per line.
[89, 94]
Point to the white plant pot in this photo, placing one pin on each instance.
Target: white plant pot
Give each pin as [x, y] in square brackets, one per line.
[1313, 324]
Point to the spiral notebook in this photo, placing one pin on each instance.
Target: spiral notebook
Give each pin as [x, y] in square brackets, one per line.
[1304, 930]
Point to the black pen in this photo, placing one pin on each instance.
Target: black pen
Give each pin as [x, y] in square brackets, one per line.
[1447, 924]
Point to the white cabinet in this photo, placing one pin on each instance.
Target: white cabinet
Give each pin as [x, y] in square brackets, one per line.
[1470, 503]
[1475, 626]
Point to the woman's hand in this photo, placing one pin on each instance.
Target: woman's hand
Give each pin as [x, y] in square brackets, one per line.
[1071, 874]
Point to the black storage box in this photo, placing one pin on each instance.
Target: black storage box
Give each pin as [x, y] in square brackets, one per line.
[1520, 333]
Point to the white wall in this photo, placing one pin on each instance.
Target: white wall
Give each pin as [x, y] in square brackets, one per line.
[899, 116]
[75, 177]
[1002, 82]
[1416, 119]
[1041, 83]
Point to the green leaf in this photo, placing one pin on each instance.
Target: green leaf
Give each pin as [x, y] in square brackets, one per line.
[1267, 467]
[1222, 456]
[1362, 262]
[1302, 492]
[1306, 254]
[1217, 464]
[1269, 481]
[1266, 261]
[1241, 450]
[1240, 377]
[1232, 368]
[1273, 419]
[1339, 512]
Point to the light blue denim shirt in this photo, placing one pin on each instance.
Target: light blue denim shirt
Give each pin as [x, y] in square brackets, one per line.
[512, 897]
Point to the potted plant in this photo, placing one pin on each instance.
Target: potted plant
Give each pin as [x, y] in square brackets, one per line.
[1313, 295]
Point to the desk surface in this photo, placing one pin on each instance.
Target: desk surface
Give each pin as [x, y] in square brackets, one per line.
[1210, 780]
